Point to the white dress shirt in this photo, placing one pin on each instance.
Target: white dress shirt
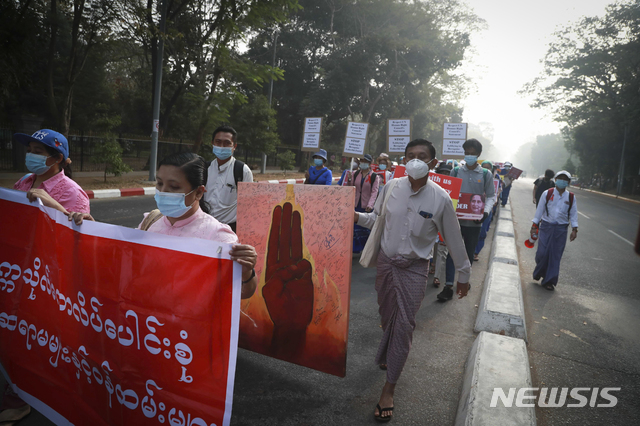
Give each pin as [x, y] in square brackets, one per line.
[413, 220]
[558, 207]
[222, 193]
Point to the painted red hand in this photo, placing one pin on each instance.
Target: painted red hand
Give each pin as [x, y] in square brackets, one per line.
[288, 289]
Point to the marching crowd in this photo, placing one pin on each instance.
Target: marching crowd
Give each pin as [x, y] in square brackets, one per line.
[407, 227]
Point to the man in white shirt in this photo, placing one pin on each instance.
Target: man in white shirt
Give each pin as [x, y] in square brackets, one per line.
[224, 173]
[556, 209]
[416, 211]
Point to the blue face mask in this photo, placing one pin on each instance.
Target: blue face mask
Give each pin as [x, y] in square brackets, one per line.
[222, 152]
[36, 163]
[471, 159]
[317, 161]
[382, 167]
[561, 184]
[364, 166]
[171, 204]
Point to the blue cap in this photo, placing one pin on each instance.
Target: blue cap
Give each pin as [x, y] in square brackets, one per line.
[321, 153]
[47, 137]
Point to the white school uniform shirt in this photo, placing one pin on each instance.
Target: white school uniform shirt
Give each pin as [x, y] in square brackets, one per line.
[222, 193]
[558, 209]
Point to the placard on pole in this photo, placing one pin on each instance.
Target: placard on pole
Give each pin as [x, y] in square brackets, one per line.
[398, 135]
[453, 137]
[355, 139]
[311, 135]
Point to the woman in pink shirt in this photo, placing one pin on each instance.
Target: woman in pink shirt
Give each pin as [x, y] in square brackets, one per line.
[183, 212]
[366, 183]
[50, 179]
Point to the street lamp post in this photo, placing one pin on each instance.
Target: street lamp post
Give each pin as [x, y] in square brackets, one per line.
[157, 89]
[621, 170]
[273, 65]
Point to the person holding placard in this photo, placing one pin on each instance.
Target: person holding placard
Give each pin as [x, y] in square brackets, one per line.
[413, 210]
[486, 223]
[366, 183]
[507, 182]
[475, 180]
[383, 165]
[318, 174]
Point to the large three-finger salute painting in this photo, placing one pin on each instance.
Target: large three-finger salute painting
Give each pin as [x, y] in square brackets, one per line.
[303, 236]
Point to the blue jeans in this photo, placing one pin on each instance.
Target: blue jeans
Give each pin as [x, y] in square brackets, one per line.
[505, 195]
[483, 233]
[470, 235]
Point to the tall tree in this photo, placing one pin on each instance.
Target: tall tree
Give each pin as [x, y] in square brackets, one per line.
[591, 82]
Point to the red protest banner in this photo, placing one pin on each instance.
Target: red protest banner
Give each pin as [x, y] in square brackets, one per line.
[105, 325]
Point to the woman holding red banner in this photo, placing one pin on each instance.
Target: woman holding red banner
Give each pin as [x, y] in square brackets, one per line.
[183, 212]
[50, 179]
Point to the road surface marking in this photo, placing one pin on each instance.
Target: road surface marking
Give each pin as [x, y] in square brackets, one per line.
[582, 214]
[622, 238]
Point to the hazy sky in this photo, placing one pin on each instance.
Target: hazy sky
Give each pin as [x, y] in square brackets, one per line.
[507, 55]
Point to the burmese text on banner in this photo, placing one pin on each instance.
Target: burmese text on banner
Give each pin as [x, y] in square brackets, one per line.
[102, 324]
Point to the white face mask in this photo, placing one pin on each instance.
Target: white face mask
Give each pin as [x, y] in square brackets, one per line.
[417, 169]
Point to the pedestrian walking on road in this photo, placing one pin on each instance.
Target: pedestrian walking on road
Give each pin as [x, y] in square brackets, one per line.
[366, 183]
[413, 209]
[183, 212]
[224, 173]
[557, 209]
[507, 183]
[50, 178]
[318, 174]
[542, 184]
[477, 181]
[486, 224]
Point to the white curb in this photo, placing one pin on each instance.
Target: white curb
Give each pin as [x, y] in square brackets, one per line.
[495, 362]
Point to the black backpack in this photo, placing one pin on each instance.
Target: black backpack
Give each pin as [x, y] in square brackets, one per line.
[238, 170]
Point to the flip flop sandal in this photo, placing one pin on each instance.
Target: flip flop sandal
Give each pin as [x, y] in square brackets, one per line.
[383, 367]
[476, 258]
[549, 287]
[379, 417]
[436, 282]
[20, 414]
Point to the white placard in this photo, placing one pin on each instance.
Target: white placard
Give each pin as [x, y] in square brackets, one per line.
[354, 146]
[311, 140]
[398, 143]
[312, 125]
[357, 130]
[455, 131]
[399, 127]
[452, 147]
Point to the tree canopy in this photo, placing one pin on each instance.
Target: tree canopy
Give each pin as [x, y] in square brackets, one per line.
[591, 83]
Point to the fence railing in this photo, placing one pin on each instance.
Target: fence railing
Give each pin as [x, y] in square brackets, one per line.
[136, 152]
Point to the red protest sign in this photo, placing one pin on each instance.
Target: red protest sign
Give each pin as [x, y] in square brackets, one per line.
[514, 173]
[496, 186]
[470, 207]
[448, 183]
[400, 171]
[106, 325]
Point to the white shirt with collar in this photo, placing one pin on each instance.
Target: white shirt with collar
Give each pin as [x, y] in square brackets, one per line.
[413, 220]
[222, 193]
[558, 207]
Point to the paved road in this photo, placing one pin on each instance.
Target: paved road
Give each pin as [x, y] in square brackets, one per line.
[272, 392]
[586, 334]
